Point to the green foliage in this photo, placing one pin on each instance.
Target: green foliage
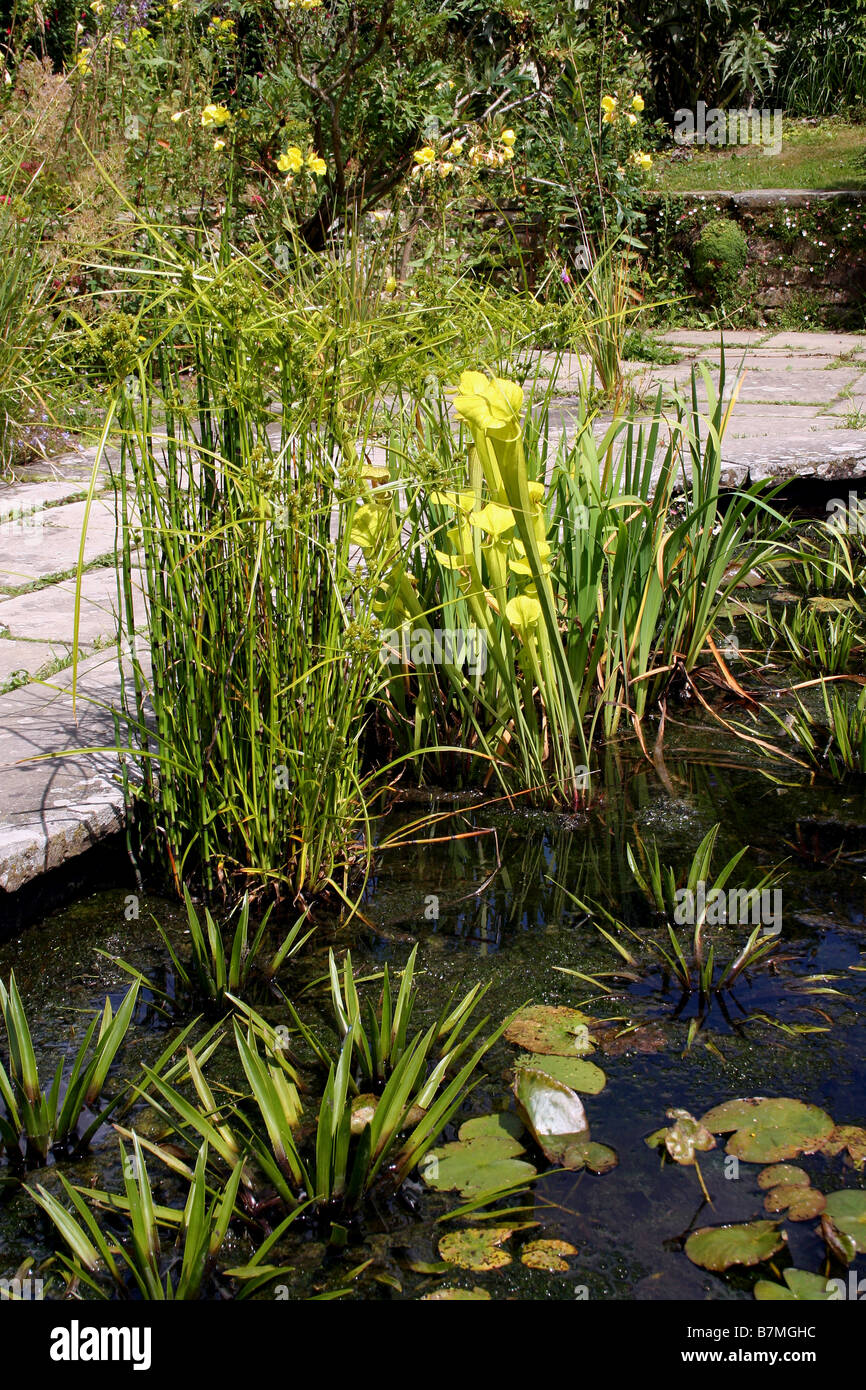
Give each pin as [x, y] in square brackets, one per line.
[719, 255]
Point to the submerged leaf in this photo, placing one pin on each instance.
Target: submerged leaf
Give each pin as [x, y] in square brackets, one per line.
[452, 1295]
[719, 1247]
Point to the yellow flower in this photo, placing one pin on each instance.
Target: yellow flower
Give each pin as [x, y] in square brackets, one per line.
[215, 115]
[493, 519]
[390, 284]
[631, 118]
[176, 116]
[317, 165]
[637, 102]
[523, 612]
[508, 137]
[643, 161]
[82, 62]
[425, 155]
[97, 6]
[446, 168]
[507, 152]
[291, 161]
[492, 404]
[456, 148]
[219, 144]
[608, 103]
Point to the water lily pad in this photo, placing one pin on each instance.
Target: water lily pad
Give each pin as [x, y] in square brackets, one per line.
[503, 1124]
[719, 1247]
[598, 1158]
[558, 1032]
[452, 1295]
[850, 1137]
[847, 1211]
[575, 1072]
[768, 1131]
[474, 1166]
[552, 1112]
[801, 1203]
[840, 1246]
[476, 1247]
[783, 1173]
[683, 1138]
[802, 1287]
[547, 1254]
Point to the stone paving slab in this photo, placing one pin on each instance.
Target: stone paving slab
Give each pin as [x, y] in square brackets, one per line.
[48, 542]
[50, 615]
[32, 657]
[55, 800]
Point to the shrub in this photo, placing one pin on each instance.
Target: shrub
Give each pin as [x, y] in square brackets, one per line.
[719, 255]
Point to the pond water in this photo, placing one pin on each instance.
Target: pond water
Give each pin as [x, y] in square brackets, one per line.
[483, 893]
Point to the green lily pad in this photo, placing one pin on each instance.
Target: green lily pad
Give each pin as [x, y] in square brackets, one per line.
[801, 1203]
[547, 1254]
[840, 1246]
[769, 1131]
[452, 1295]
[802, 1287]
[476, 1247]
[501, 1125]
[474, 1166]
[575, 1072]
[553, 1031]
[719, 1247]
[783, 1173]
[552, 1112]
[850, 1137]
[598, 1158]
[847, 1211]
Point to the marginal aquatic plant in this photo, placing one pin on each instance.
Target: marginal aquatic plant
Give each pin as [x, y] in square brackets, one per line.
[694, 902]
[358, 1142]
[231, 962]
[836, 745]
[47, 1120]
[380, 1032]
[144, 1265]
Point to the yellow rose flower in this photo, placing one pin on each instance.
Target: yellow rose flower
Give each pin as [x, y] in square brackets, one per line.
[219, 144]
[425, 155]
[637, 102]
[632, 118]
[317, 165]
[608, 103]
[508, 137]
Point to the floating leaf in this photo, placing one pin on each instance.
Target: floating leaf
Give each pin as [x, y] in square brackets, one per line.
[683, 1138]
[454, 1294]
[840, 1246]
[552, 1031]
[802, 1287]
[783, 1173]
[575, 1072]
[476, 1247]
[504, 1124]
[801, 1203]
[847, 1211]
[547, 1254]
[850, 1137]
[598, 1158]
[719, 1247]
[552, 1112]
[768, 1131]
[474, 1166]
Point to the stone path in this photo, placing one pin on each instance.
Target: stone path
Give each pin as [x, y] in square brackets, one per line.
[801, 413]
